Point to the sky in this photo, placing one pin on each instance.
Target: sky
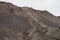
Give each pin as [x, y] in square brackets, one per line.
[53, 6]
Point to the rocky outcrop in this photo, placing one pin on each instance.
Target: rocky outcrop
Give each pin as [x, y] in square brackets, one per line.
[24, 23]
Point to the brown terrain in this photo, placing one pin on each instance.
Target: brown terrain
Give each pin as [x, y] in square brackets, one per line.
[24, 23]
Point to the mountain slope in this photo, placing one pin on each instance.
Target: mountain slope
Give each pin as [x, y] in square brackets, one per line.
[24, 23]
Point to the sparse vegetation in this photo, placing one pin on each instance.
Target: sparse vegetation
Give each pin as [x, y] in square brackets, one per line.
[24, 23]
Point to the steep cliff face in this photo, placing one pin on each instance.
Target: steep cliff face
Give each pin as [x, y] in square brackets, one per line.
[24, 23]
